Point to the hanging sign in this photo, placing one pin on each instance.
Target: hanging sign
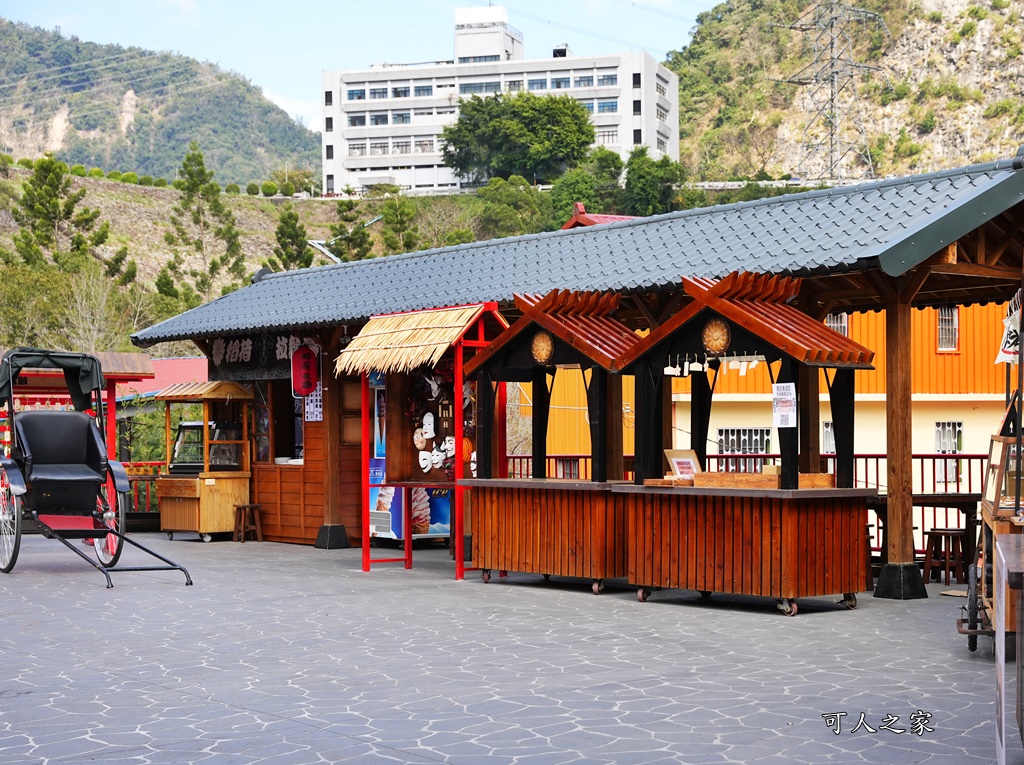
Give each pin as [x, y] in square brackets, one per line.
[305, 371]
[784, 405]
[1010, 344]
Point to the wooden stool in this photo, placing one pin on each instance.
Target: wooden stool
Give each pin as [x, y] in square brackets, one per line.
[942, 549]
[247, 518]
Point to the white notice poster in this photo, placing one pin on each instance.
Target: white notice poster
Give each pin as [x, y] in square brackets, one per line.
[784, 405]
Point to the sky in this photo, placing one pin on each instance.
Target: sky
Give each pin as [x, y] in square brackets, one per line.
[282, 47]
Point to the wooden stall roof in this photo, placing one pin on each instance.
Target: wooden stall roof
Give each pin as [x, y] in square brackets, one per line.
[401, 342]
[223, 390]
[760, 304]
[582, 320]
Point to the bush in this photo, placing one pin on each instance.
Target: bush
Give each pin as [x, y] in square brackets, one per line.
[178, 183]
[977, 12]
[26, 163]
[1000, 109]
[935, 17]
[1000, 5]
[232, 188]
[78, 170]
[160, 183]
[95, 173]
[130, 178]
[928, 122]
[252, 189]
[114, 175]
[269, 188]
[146, 180]
[288, 188]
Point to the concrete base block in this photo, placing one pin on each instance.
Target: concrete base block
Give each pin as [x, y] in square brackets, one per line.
[332, 536]
[900, 581]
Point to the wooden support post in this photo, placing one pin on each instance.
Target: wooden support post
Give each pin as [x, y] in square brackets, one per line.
[841, 398]
[541, 411]
[808, 396]
[647, 424]
[900, 578]
[700, 416]
[613, 417]
[789, 437]
[484, 424]
[597, 395]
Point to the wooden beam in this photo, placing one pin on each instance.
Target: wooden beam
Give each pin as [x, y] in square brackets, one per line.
[977, 270]
[1008, 236]
[899, 446]
[809, 418]
[642, 306]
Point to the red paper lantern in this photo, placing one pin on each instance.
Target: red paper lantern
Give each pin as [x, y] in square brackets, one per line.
[305, 371]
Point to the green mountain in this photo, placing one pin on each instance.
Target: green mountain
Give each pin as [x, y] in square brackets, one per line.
[130, 109]
[938, 85]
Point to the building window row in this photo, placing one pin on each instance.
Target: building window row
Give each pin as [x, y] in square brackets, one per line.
[477, 59]
[381, 148]
[607, 107]
[479, 87]
[423, 91]
[607, 137]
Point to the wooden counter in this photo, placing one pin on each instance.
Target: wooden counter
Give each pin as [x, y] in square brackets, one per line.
[203, 503]
[777, 543]
[554, 527]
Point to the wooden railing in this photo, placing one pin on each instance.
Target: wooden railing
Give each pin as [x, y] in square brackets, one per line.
[141, 477]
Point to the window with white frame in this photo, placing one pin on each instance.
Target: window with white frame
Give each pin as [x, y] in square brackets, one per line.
[949, 439]
[401, 118]
[378, 92]
[742, 441]
[949, 327]
[424, 145]
[584, 82]
[401, 147]
[357, 149]
[378, 148]
[606, 107]
[607, 137]
[838, 322]
[537, 84]
[607, 79]
[423, 90]
[559, 83]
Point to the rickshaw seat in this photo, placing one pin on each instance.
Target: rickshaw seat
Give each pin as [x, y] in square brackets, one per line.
[60, 447]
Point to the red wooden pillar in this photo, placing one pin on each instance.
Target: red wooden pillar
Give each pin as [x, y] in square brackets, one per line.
[366, 445]
[111, 420]
[458, 498]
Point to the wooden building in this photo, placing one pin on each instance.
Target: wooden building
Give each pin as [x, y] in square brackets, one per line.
[954, 237]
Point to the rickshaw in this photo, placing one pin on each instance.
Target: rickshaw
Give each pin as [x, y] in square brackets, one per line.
[57, 473]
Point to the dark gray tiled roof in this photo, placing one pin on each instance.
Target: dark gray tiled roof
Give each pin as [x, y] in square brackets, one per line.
[896, 223]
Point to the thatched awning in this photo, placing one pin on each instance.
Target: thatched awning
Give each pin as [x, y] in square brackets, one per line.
[402, 342]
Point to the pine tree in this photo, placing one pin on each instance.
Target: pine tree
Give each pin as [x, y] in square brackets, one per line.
[208, 247]
[53, 226]
[293, 250]
[349, 238]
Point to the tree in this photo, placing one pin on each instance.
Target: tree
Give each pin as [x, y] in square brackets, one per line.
[445, 222]
[52, 223]
[301, 178]
[606, 166]
[400, 233]
[577, 185]
[523, 134]
[650, 186]
[510, 208]
[208, 248]
[293, 250]
[349, 238]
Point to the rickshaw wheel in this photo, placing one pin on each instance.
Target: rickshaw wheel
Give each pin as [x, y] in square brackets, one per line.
[10, 524]
[108, 548]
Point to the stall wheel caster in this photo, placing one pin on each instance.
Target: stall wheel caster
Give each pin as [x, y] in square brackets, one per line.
[849, 600]
[170, 535]
[643, 593]
[597, 586]
[485, 575]
[705, 594]
[547, 577]
[206, 537]
[788, 606]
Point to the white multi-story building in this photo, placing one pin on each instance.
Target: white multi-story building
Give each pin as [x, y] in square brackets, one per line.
[383, 124]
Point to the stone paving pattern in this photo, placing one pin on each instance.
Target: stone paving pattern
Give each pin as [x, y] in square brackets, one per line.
[284, 654]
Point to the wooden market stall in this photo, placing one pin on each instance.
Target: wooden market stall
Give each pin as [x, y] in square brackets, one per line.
[783, 534]
[547, 525]
[419, 423]
[208, 459]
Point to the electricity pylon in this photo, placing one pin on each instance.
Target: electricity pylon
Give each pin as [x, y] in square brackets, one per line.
[831, 79]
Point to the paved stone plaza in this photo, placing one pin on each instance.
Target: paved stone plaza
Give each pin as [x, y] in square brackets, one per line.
[283, 654]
